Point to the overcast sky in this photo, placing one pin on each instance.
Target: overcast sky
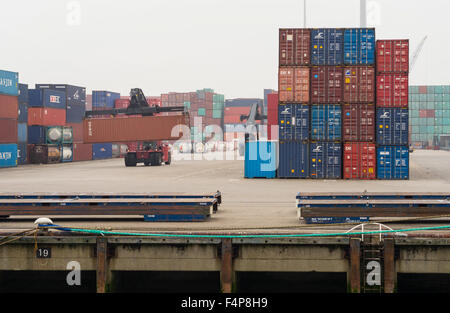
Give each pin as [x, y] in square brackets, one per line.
[184, 45]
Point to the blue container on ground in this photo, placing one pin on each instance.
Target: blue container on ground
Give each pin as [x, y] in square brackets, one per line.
[23, 93]
[327, 46]
[359, 46]
[293, 121]
[392, 126]
[325, 160]
[326, 120]
[101, 151]
[260, 159]
[48, 98]
[9, 83]
[392, 162]
[22, 153]
[104, 99]
[293, 160]
[8, 155]
[22, 132]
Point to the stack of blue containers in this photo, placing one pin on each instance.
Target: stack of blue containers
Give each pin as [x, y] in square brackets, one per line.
[22, 125]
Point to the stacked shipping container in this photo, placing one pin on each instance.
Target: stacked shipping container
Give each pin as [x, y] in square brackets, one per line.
[9, 126]
[392, 109]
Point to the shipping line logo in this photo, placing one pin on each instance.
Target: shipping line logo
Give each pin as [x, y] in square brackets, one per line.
[5, 82]
[55, 99]
[5, 156]
[319, 36]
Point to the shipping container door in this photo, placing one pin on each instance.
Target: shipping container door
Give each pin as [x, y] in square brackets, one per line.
[293, 159]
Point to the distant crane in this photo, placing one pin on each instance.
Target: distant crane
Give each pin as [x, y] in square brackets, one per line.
[416, 53]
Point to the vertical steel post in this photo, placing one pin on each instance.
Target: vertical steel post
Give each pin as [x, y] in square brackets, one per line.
[226, 273]
[355, 265]
[389, 265]
[102, 265]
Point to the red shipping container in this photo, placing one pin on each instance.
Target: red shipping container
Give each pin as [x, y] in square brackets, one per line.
[430, 113]
[121, 103]
[358, 122]
[392, 90]
[294, 46]
[293, 84]
[359, 160]
[9, 106]
[46, 116]
[77, 129]
[326, 85]
[8, 130]
[422, 89]
[359, 84]
[272, 116]
[88, 102]
[392, 56]
[82, 151]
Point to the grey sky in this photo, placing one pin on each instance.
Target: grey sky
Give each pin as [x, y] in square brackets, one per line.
[184, 45]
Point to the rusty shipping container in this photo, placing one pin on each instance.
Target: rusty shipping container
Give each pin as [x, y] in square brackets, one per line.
[146, 128]
[392, 90]
[359, 84]
[294, 46]
[360, 160]
[392, 56]
[77, 131]
[326, 85]
[46, 116]
[294, 84]
[358, 122]
[8, 130]
[9, 106]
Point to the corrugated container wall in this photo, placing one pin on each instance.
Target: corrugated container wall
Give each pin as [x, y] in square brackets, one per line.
[392, 126]
[9, 107]
[294, 46]
[9, 83]
[8, 155]
[101, 151]
[392, 162]
[46, 116]
[104, 98]
[359, 46]
[82, 152]
[326, 121]
[47, 98]
[260, 159]
[293, 121]
[22, 153]
[359, 84]
[327, 46]
[326, 85]
[325, 160]
[8, 130]
[392, 56]
[293, 84]
[392, 90]
[358, 122]
[360, 160]
[293, 159]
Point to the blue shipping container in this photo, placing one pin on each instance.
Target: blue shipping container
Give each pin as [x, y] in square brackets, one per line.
[392, 162]
[101, 151]
[260, 159]
[22, 132]
[75, 113]
[36, 134]
[104, 99]
[326, 120]
[392, 126]
[9, 83]
[325, 160]
[359, 46]
[293, 159]
[75, 95]
[23, 112]
[21, 153]
[23, 93]
[327, 46]
[46, 98]
[335, 220]
[8, 155]
[293, 121]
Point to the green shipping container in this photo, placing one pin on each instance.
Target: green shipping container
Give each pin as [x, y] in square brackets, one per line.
[217, 113]
[201, 112]
[187, 105]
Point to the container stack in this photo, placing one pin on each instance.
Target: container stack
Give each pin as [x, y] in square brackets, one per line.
[9, 92]
[22, 129]
[358, 110]
[392, 109]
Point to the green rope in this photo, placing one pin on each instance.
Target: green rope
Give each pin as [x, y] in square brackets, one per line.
[101, 232]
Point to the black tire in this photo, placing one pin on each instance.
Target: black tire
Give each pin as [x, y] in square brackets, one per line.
[147, 163]
[130, 159]
[169, 158]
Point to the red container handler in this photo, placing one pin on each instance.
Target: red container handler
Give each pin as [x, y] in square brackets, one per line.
[327, 85]
[359, 84]
[358, 122]
[9, 106]
[392, 90]
[82, 151]
[272, 116]
[293, 84]
[295, 47]
[8, 130]
[392, 56]
[46, 116]
[359, 160]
